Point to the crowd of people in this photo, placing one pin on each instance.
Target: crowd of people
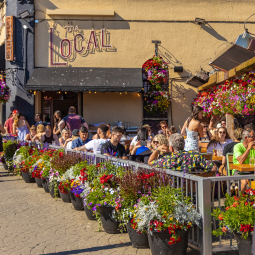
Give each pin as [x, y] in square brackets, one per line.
[167, 149]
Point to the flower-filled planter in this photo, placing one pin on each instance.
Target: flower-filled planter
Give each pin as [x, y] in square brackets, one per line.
[235, 96]
[238, 217]
[45, 184]
[138, 240]
[110, 225]
[89, 213]
[167, 218]
[159, 241]
[77, 202]
[5, 92]
[27, 178]
[64, 190]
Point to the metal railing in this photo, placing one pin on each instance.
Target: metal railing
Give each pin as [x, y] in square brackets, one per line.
[202, 192]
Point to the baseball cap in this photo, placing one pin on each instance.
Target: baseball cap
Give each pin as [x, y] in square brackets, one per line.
[15, 111]
[146, 126]
[75, 132]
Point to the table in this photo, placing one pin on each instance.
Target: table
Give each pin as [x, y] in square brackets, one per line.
[217, 158]
[243, 167]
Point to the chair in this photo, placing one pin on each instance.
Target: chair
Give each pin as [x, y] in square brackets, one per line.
[229, 158]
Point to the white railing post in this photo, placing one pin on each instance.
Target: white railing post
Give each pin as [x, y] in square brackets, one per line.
[204, 205]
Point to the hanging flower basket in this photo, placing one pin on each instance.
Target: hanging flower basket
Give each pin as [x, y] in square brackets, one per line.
[156, 101]
[156, 70]
[235, 96]
[5, 92]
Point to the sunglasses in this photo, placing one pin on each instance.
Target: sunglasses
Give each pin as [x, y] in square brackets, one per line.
[251, 136]
[164, 127]
[155, 142]
[205, 126]
[222, 132]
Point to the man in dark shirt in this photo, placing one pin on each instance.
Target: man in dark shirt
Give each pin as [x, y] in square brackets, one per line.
[164, 127]
[72, 121]
[38, 119]
[83, 139]
[229, 148]
[113, 147]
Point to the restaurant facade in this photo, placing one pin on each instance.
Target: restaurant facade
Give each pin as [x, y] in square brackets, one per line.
[90, 54]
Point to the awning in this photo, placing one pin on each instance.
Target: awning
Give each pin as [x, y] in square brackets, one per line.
[86, 79]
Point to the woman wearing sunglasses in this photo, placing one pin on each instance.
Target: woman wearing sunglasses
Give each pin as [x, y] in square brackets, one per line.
[207, 134]
[32, 133]
[219, 141]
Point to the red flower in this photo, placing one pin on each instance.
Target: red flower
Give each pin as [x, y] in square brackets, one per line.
[221, 217]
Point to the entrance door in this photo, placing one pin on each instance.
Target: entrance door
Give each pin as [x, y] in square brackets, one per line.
[153, 119]
[53, 101]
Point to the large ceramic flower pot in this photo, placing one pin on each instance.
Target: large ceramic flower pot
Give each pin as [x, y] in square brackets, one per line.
[27, 178]
[89, 213]
[244, 246]
[159, 243]
[45, 185]
[65, 197]
[52, 193]
[110, 225]
[5, 166]
[77, 202]
[139, 241]
[39, 182]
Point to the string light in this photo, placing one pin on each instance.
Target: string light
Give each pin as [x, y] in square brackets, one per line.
[89, 92]
[95, 92]
[125, 92]
[65, 92]
[120, 93]
[34, 92]
[59, 92]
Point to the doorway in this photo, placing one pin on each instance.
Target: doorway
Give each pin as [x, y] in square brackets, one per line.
[53, 101]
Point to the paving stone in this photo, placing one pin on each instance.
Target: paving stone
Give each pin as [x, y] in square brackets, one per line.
[31, 222]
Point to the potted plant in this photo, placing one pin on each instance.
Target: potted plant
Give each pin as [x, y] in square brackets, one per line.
[167, 218]
[64, 190]
[238, 217]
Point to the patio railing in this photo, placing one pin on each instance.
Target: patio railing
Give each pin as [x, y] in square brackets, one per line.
[202, 191]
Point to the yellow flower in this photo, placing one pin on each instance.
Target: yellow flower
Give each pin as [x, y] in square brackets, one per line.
[188, 210]
[146, 209]
[165, 212]
[171, 218]
[177, 221]
[134, 215]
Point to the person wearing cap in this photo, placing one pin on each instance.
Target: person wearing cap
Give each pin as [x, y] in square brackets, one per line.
[83, 138]
[8, 126]
[180, 160]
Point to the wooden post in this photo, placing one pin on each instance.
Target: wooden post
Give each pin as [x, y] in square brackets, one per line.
[230, 125]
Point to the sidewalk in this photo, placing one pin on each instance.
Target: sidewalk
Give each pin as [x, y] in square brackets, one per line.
[31, 222]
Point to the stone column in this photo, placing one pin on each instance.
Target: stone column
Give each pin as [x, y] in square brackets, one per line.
[230, 125]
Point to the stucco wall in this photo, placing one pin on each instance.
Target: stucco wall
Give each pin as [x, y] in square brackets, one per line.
[182, 43]
[111, 106]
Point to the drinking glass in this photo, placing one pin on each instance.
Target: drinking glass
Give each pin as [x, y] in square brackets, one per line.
[53, 143]
[219, 152]
[251, 161]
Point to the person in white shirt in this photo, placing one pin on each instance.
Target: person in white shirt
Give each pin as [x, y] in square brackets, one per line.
[75, 135]
[96, 144]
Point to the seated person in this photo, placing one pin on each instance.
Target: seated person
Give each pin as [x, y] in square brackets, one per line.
[65, 138]
[207, 134]
[49, 137]
[40, 131]
[139, 152]
[83, 138]
[96, 144]
[243, 152]
[135, 140]
[75, 135]
[113, 147]
[29, 137]
[179, 160]
[219, 141]
[159, 140]
[229, 148]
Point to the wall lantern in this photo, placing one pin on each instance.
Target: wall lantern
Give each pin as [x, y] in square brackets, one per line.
[178, 69]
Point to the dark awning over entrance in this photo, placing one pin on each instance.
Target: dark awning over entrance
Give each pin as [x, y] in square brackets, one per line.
[86, 79]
